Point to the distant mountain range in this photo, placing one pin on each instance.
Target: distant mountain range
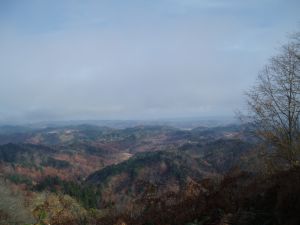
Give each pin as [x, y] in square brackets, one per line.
[181, 123]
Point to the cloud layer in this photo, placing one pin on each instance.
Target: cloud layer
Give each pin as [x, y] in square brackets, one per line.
[134, 59]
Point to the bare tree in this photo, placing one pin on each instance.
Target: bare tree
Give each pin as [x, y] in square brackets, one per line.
[274, 103]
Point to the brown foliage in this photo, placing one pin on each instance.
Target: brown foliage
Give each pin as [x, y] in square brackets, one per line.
[240, 199]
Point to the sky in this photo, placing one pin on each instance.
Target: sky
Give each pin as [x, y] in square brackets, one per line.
[135, 59]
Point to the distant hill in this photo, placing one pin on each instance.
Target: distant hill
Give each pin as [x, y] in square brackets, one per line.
[223, 154]
[35, 161]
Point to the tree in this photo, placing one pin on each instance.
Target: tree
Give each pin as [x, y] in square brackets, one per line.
[274, 103]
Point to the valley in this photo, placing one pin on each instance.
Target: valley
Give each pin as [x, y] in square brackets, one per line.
[113, 171]
[150, 174]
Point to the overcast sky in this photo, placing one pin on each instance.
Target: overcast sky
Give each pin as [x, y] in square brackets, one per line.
[135, 59]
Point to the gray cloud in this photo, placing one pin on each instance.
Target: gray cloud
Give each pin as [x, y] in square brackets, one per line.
[146, 60]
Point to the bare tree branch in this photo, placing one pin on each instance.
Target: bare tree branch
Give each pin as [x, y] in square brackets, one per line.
[274, 103]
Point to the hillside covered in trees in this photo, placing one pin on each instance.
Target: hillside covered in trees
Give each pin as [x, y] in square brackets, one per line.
[141, 175]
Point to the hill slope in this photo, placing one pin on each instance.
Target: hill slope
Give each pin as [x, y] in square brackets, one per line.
[161, 171]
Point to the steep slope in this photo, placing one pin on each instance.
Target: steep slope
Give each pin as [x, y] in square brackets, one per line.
[160, 171]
